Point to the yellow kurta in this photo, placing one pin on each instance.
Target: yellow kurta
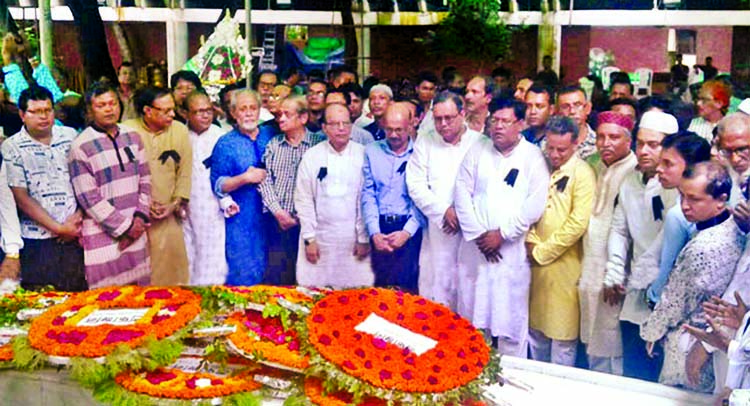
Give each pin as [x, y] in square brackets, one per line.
[170, 160]
[553, 303]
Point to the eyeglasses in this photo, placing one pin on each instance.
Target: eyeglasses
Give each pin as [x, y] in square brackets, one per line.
[740, 151]
[163, 110]
[341, 124]
[445, 119]
[318, 93]
[202, 111]
[496, 122]
[39, 112]
[569, 108]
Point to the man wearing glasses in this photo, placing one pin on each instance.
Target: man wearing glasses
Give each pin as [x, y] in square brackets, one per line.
[170, 159]
[282, 158]
[571, 102]
[204, 225]
[36, 161]
[333, 248]
[431, 177]
[501, 191]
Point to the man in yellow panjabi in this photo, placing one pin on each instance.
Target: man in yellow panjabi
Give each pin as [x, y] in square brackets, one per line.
[554, 247]
[170, 158]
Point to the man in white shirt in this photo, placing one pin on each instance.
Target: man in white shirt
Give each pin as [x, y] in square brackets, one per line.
[38, 175]
[334, 247]
[431, 177]
[501, 190]
[204, 226]
[638, 220]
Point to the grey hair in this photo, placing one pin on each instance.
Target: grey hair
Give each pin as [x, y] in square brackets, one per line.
[447, 95]
[562, 125]
[734, 120]
[242, 92]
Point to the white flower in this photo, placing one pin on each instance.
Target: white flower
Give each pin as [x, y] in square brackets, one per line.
[214, 76]
[218, 59]
[202, 383]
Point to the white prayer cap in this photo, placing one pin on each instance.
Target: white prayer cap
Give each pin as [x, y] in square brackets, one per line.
[744, 107]
[659, 121]
[383, 89]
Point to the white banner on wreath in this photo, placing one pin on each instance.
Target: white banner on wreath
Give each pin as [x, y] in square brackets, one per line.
[395, 334]
[115, 317]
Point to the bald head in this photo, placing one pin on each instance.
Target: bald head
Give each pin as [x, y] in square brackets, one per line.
[397, 127]
[733, 134]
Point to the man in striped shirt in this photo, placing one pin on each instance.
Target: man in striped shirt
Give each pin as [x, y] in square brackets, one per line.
[112, 183]
[282, 157]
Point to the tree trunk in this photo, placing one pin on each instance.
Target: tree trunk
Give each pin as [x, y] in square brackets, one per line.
[92, 40]
[351, 50]
[7, 23]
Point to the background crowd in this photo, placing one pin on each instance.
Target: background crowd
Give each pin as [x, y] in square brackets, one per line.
[597, 230]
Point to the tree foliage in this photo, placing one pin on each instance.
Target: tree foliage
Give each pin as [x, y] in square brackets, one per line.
[473, 29]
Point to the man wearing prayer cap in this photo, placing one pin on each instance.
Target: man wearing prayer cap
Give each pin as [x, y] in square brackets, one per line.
[381, 96]
[639, 215]
[613, 136]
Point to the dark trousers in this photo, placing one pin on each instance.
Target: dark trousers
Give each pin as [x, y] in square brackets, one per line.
[51, 262]
[401, 267]
[636, 363]
[282, 253]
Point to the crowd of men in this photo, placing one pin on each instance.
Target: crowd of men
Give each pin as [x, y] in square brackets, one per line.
[609, 237]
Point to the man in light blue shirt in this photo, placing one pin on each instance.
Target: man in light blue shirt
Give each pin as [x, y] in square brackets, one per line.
[392, 220]
[679, 152]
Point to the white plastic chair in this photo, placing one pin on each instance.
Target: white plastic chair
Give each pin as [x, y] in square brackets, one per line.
[645, 79]
[606, 72]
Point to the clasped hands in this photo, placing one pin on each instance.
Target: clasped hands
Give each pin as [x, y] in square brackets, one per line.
[390, 242]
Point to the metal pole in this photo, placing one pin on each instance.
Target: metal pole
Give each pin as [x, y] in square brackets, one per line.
[249, 36]
[46, 36]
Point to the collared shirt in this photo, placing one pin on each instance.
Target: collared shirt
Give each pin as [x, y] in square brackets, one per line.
[587, 147]
[703, 128]
[531, 136]
[384, 190]
[10, 228]
[282, 160]
[43, 171]
[374, 129]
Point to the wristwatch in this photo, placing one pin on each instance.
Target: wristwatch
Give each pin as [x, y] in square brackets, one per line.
[309, 241]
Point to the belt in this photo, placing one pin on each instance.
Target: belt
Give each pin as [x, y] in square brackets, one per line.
[394, 218]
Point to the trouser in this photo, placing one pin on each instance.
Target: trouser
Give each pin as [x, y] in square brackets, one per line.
[636, 362]
[546, 349]
[51, 262]
[283, 246]
[401, 267]
[607, 365]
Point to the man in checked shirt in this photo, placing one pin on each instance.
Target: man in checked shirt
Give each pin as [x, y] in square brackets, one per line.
[282, 157]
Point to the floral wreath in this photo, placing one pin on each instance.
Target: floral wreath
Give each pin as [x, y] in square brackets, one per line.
[58, 334]
[265, 340]
[174, 383]
[16, 308]
[384, 365]
[315, 392]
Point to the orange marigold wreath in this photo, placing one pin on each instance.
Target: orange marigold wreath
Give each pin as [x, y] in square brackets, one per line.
[314, 392]
[56, 331]
[174, 383]
[267, 337]
[458, 357]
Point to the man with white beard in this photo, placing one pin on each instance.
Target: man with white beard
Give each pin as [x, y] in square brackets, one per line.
[431, 177]
[501, 190]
